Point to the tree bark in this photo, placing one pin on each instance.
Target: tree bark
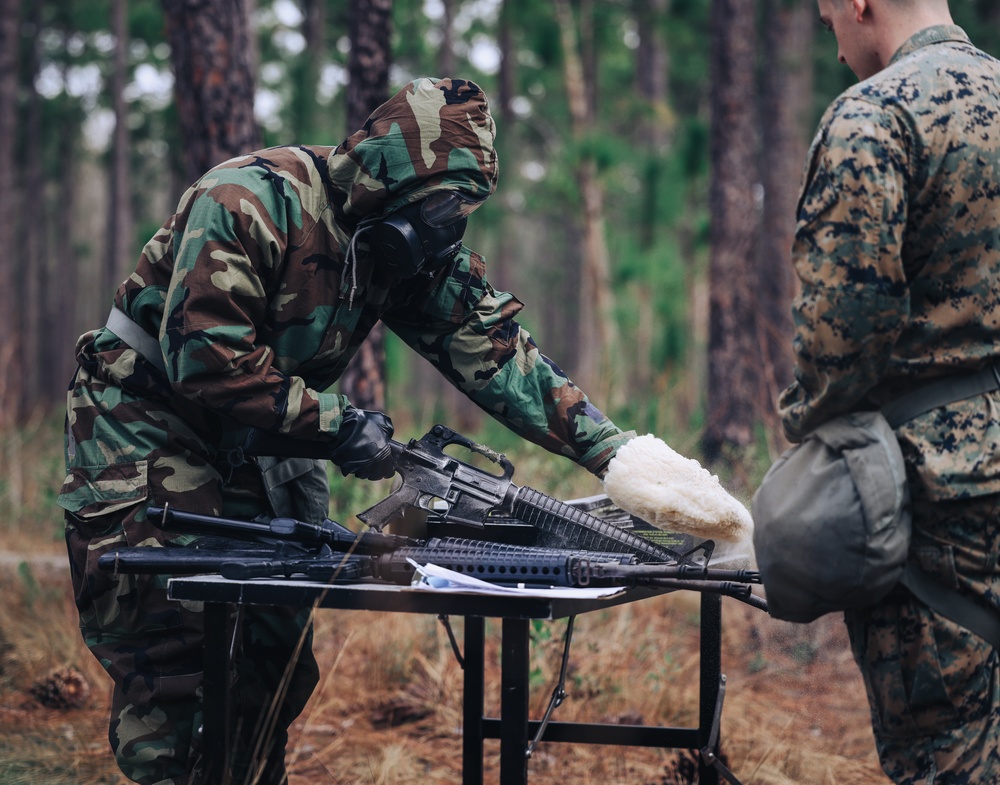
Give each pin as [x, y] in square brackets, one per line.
[446, 52]
[734, 379]
[65, 322]
[307, 74]
[652, 68]
[212, 56]
[34, 232]
[370, 27]
[596, 325]
[10, 393]
[786, 93]
[119, 252]
[506, 79]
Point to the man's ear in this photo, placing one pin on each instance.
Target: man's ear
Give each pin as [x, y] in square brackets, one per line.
[860, 8]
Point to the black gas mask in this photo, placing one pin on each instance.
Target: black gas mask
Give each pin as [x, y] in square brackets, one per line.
[421, 237]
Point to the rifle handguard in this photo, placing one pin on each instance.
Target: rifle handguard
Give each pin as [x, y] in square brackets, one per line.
[567, 526]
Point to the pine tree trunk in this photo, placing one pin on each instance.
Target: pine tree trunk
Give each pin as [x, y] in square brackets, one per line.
[370, 28]
[734, 377]
[597, 335]
[370, 24]
[652, 67]
[119, 252]
[785, 102]
[506, 81]
[34, 234]
[212, 55]
[10, 392]
[446, 51]
[66, 304]
[306, 110]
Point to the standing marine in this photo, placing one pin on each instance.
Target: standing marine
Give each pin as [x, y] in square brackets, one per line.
[897, 249]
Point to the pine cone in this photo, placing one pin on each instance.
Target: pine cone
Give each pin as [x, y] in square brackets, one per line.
[682, 769]
[63, 688]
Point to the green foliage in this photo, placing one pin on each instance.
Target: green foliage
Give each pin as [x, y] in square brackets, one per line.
[655, 199]
[981, 19]
[32, 469]
[29, 583]
[686, 28]
[349, 496]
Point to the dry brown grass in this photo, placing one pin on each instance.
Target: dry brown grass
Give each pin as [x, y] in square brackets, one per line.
[38, 633]
[31, 472]
[388, 709]
[795, 710]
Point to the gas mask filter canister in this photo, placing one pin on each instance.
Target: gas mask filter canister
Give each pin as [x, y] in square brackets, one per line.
[420, 237]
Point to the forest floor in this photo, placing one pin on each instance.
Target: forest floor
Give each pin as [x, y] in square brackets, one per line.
[388, 708]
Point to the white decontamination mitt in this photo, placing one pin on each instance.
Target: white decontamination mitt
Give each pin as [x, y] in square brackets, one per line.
[648, 479]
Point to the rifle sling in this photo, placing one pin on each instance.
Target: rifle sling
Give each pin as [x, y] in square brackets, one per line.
[131, 334]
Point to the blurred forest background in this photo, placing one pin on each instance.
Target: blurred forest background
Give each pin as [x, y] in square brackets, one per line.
[650, 158]
[650, 153]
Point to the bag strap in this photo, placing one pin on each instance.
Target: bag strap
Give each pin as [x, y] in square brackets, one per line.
[949, 603]
[938, 393]
[980, 620]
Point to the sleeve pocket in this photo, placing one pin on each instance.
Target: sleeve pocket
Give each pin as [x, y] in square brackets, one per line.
[90, 492]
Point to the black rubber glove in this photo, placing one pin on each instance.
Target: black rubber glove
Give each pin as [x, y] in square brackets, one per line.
[362, 446]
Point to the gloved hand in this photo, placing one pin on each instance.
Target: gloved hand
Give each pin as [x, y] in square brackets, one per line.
[362, 446]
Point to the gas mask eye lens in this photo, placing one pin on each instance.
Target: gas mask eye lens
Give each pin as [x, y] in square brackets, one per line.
[445, 208]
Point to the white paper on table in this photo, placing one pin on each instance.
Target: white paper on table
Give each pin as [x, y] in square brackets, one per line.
[435, 578]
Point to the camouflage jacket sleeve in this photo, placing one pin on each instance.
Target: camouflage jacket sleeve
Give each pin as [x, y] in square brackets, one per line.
[230, 241]
[467, 330]
[854, 299]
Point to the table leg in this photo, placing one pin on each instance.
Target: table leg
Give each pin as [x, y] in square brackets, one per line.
[472, 701]
[514, 703]
[711, 670]
[215, 701]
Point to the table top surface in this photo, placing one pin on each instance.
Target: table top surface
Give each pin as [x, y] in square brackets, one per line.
[393, 598]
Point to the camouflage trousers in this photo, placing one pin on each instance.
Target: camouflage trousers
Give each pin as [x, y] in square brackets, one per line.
[153, 650]
[932, 685]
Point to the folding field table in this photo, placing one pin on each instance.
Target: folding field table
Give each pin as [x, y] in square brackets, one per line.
[515, 730]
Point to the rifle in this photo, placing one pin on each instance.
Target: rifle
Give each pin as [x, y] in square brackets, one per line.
[311, 551]
[473, 495]
[329, 533]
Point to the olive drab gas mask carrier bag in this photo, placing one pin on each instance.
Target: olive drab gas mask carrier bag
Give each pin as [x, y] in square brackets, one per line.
[832, 516]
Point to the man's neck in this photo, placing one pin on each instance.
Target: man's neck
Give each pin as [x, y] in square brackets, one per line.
[901, 22]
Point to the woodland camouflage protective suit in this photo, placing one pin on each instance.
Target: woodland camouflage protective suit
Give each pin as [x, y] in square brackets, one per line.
[258, 306]
[898, 252]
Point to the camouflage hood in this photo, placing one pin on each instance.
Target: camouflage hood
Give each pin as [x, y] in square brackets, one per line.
[433, 135]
